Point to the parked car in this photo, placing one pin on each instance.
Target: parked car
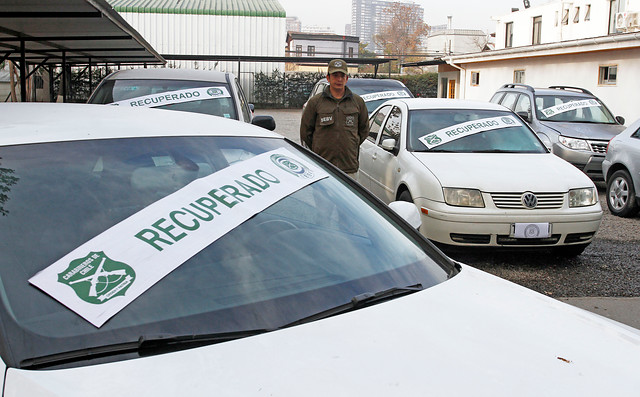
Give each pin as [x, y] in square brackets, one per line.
[571, 121]
[147, 252]
[621, 168]
[374, 91]
[479, 175]
[209, 92]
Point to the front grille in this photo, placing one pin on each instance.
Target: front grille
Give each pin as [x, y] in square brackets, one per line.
[598, 146]
[514, 200]
[470, 238]
[508, 240]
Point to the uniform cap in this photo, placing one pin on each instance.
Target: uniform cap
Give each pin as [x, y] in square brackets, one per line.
[337, 65]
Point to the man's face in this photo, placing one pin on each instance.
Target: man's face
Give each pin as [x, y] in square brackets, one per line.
[337, 80]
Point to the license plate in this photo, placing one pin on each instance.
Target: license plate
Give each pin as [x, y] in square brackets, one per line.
[531, 230]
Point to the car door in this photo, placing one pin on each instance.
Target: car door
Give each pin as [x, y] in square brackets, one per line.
[368, 147]
[384, 169]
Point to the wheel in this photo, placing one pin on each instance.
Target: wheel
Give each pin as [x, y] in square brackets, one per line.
[621, 196]
[405, 196]
[570, 251]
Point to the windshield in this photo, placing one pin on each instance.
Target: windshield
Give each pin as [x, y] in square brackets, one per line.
[572, 109]
[470, 131]
[378, 92]
[310, 251]
[179, 95]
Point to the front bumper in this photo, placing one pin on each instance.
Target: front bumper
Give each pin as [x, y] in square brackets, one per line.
[586, 161]
[492, 227]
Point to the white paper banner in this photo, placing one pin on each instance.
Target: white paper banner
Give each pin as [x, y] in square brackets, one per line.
[102, 276]
[171, 97]
[568, 106]
[374, 96]
[458, 131]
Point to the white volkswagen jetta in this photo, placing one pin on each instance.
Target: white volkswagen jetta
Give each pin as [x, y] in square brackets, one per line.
[147, 252]
[479, 175]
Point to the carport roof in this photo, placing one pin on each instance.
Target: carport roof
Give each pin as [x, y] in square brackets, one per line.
[44, 31]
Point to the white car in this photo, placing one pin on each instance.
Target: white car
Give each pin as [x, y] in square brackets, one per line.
[199, 91]
[479, 176]
[147, 252]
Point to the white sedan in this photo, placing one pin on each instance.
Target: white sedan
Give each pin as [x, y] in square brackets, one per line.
[479, 176]
[155, 253]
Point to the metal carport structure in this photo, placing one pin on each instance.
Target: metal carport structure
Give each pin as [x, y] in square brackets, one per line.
[51, 33]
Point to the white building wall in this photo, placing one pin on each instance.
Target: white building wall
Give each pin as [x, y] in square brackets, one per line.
[570, 70]
[188, 34]
[324, 48]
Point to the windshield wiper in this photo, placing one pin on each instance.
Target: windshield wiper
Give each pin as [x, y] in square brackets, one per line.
[146, 345]
[357, 302]
[495, 151]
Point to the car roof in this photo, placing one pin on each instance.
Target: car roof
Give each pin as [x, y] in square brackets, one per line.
[560, 90]
[55, 122]
[170, 74]
[362, 81]
[445, 103]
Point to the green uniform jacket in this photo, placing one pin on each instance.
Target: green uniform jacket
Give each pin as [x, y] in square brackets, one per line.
[335, 128]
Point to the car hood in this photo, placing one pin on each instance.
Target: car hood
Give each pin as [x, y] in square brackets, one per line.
[504, 172]
[474, 334]
[585, 130]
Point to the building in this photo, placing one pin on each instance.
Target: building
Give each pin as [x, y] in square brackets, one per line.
[369, 16]
[320, 45]
[445, 40]
[211, 27]
[294, 24]
[599, 50]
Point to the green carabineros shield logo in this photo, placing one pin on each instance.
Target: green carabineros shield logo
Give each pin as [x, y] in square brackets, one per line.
[433, 139]
[96, 278]
[214, 91]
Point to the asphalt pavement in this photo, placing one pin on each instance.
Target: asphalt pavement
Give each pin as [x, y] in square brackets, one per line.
[623, 309]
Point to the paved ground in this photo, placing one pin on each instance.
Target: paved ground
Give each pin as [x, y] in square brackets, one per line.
[624, 308]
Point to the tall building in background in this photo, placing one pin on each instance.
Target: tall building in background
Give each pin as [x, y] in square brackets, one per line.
[369, 16]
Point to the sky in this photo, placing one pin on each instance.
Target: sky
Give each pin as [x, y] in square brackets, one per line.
[467, 14]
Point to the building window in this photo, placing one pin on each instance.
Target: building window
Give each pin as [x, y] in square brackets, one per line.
[299, 50]
[565, 16]
[518, 76]
[475, 78]
[587, 12]
[537, 30]
[576, 16]
[608, 75]
[311, 50]
[508, 40]
[350, 52]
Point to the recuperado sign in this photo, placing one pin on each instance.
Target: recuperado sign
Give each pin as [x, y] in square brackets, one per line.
[105, 274]
[171, 97]
[374, 96]
[568, 106]
[461, 130]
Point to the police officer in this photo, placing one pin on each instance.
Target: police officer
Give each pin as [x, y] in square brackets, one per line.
[335, 122]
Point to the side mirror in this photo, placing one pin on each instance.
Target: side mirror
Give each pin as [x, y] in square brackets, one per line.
[525, 116]
[267, 122]
[620, 119]
[388, 144]
[252, 108]
[407, 211]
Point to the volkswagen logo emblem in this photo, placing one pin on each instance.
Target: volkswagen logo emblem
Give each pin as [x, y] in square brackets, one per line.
[529, 200]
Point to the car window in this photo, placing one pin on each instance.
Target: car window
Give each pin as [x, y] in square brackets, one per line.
[471, 131]
[392, 126]
[269, 271]
[636, 134]
[523, 104]
[377, 92]
[244, 104]
[496, 98]
[509, 99]
[121, 90]
[566, 108]
[375, 124]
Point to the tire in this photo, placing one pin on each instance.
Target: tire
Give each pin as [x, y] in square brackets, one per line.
[406, 196]
[621, 196]
[570, 251]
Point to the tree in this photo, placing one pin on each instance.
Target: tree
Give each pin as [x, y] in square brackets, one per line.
[404, 32]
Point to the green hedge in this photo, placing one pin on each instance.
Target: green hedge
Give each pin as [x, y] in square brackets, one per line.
[291, 90]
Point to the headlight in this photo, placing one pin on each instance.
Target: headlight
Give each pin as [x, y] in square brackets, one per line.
[463, 197]
[582, 197]
[575, 144]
